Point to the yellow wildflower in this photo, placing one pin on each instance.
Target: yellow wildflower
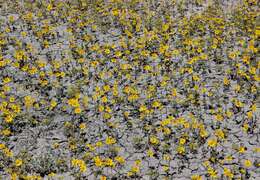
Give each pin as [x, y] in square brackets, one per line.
[247, 163]
[110, 140]
[154, 140]
[212, 142]
[18, 162]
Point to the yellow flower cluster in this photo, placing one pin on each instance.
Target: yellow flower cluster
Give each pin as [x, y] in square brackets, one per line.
[79, 163]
